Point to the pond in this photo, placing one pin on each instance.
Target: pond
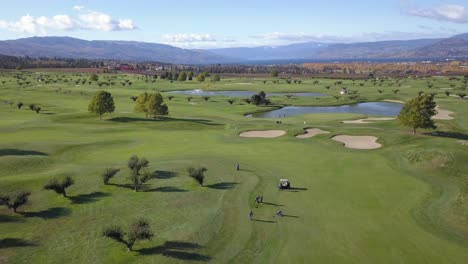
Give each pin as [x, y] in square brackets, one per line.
[200, 92]
[371, 109]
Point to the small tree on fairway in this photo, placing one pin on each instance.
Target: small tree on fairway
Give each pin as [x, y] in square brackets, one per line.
[94, 77]
[155, 105]
[461, 95]
[15, 200]
[197, 174]
[182, 77]
[134, 98]
[108, 174]
[170, 97]
[201, 78]
[141, 103]
[216, 78]
[32, 107]
[59, 186]
[38, 109]
[19, 105]
[231, 101]
[395, 91]
[139, 230]
[189, 99]
[417, 113]
[447, 93]
[206, 98]
[135, 164]
[101, 103]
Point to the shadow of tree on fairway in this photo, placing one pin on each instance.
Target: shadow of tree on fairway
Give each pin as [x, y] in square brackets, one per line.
[166, 189]
[20, 152]
[10, 219]
[272, 204]
[160, 174]
[125, 185]
[454, 135]
[292, 216]
[51, 213]
[163, 119]
[294, 189]
[176, 249]
[15, 242]
[264, 221]
[222, 185]
[87, 198]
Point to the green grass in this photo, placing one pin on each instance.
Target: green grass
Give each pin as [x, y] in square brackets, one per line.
[404, 203]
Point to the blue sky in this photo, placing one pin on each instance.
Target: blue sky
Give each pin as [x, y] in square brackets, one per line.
[212, 24]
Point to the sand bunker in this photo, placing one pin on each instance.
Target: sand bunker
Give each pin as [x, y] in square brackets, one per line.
[394, 101]
[263, 134]
[368, 120]
[358, 142]
[312, 132]
[464, 143]
[443, 114]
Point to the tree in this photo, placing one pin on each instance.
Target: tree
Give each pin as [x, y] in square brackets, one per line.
[170, 97]
[15, 200]
[231, 101]
[134, 98]
[274, 73]
[135, 164]
[201, 78]
[447, 93]
[139, 230]
[38, 109]
[395, 91]
[197, 174]
[216, 78]
[141, 103]
[189, 98]
[32, 107]
[19, 105]
[256, 99]
[190, 75]
[461, 95]
[206, 98]
[417, 113]
[182, 77]
[94, 77]
[59, 186]
[155, 105]
[108, 174]
[101, 103]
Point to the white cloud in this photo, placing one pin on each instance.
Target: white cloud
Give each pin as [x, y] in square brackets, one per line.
[452, 13]
[87, 20]
[78, 7]
[187, 37]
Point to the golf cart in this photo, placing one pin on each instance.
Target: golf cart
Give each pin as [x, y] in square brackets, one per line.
[284, 184]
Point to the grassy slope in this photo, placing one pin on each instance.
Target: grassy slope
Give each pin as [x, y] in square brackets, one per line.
[352, 206]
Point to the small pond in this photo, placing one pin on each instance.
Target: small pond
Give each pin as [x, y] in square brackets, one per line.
[370, 109]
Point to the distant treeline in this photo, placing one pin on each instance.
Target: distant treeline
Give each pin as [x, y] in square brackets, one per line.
[13, 62]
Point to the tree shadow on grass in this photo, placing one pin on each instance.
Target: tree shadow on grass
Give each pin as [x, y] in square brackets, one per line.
[87, 198]
[292, 216]
[163, 119]
[20, 152]
[176, 249]
[264, 221]
[15, 242]
[10, 219]
[166, 189]
[222, 185]
[160, 174]
[51, 213]
[272, 204]
[295, 189]
[454, 135]
[125, 185]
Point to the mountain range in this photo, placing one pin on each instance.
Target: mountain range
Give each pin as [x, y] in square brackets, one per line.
[67, 47]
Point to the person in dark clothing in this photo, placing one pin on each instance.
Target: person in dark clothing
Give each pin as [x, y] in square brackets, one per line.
[251, 215]
[237, 166]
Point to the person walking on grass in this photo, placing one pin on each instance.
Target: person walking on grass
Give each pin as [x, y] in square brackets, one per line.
[238, 166]
[251, 215]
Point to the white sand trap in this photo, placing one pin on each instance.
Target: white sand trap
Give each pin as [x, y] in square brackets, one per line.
[443, 114]
[368, 120]
[263, 134]
[312, 132]
[358, 142]
[394, 101]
